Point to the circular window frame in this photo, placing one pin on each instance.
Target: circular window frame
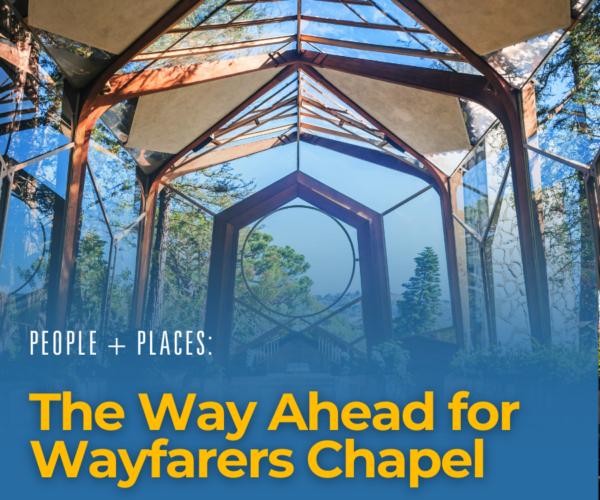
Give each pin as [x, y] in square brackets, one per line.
[292, 316]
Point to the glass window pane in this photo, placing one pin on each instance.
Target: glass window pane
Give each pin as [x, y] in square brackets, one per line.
[504, 267]
[417, 268]
[179, 265]
[518, 62]
[24, 270]
[221, 186]
[380, 188]
[114, 171]
[91, 270]
[560, 195]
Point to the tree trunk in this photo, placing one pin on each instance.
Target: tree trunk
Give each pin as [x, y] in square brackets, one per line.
[159, 261]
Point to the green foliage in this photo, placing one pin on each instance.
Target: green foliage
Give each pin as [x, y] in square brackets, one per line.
[391, 359]
[559, 364]
[90, 279]
[420, 304]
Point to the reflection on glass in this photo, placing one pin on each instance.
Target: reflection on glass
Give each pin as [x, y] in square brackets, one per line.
[560, 195]
[80, 62]
[26, 259]
[115, 175]
[481, 177]
[567, 95]
[518, 62]
[91, 272]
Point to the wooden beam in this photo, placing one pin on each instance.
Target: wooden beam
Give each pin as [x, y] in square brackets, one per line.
[211, 49]
[323, 130]
[340, 120]
[237, 24]
[367, 154]
[471, 87]
[509, 112]
[246, 121]
[283, 75]
[441, 56]
[228, 154]
[358, 24]
[130, 85]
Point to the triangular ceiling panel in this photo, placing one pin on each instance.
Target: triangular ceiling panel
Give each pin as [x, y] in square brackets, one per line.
[488, 25]
[111, 25]
[429, 122]
[169, 121]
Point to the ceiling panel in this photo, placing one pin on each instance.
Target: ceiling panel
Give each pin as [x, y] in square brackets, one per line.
[490, 25]
[170, 121]
[111, 25]
[428, 122]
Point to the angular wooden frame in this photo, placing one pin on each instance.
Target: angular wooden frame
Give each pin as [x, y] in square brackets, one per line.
[377, 309]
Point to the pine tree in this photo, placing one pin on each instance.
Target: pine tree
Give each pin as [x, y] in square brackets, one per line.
[420, 304]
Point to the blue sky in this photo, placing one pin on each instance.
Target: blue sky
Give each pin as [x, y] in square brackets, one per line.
[408, 230]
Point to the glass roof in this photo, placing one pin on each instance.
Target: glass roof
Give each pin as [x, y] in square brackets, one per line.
[380, 30]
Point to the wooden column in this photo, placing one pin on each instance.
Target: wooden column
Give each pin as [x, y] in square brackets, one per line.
[6, 188]
[144, 254]
[438, 179]
[72, 215]
[221, 286]
[534, 262]
[528, 216]
[452, 261]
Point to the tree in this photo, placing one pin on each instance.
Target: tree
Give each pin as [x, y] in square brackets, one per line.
[420, 304]
[571, 129]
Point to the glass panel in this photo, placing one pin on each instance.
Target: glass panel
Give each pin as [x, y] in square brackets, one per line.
[52, 172]
[418, 273]
[236, 35]
[290, 271]
[560, 195]
[180, 263]
[566, 95]
[122, 272]
[114, 171]
[330, 10]
[392, 58]
[504, 268]
[80, 62]
[518, 62]
[367, 35]
[91, 271]
[200, 58]
[481, 177]
[380, 188]
[26, 257]
[200, 14]
[221, 186]
[298, 262]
